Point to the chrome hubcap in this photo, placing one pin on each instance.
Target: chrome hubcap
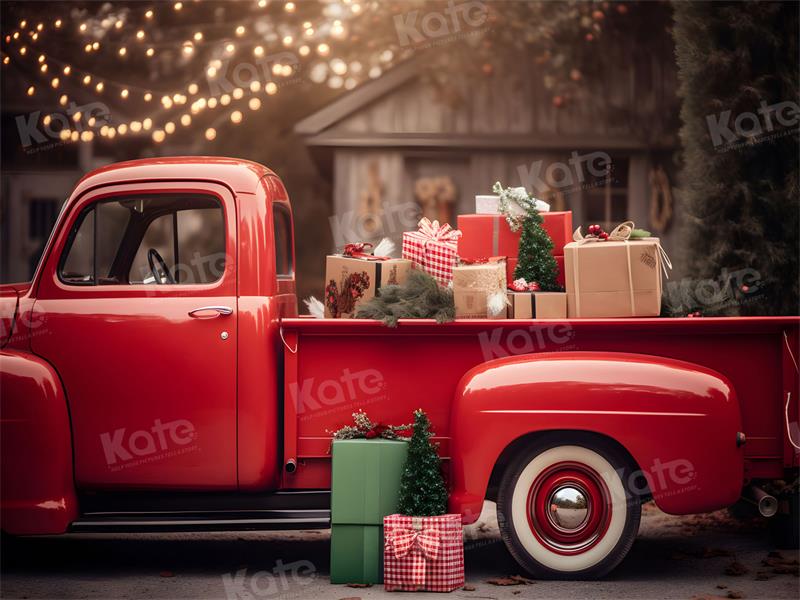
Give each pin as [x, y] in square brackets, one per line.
[569, 508]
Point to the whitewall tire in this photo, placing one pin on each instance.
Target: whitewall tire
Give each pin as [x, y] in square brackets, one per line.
[565, 510]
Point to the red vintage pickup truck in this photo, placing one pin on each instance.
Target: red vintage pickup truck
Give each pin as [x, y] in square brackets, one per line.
[156, 376]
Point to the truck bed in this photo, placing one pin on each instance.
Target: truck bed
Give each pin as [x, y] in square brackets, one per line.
[334, 367]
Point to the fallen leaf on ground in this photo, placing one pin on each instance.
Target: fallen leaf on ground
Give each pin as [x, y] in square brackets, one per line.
[516, 592]
[523, 580]
[503, 581]
[735, 569]
[468, 588]
[734, 594]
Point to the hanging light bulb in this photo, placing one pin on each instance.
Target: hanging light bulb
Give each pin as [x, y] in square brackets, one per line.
[178, 5]
[54, 82]
[271, 88]
[254, 104]
[148, 14]
[42, 58]
[87, 48]
[255, 86]
[57, 24]
[147, 124]
[67, 69]
[258, 51]
[289, 7]
[74, 136]
[99, 87]
[240, 31]
[169, 127]
[124, 94]
[136, 126]
[43, 68]
[287, 40]
[148, 96]
[140, 35]
[186, 120]
[237, 93]
[6, 60]
[323, 49]
[118, 24]
[304, 50]
[123, 51]
[76, 116]
[122, 129]
[198, 36]
[158, 136]
[230, 48]
[63, 100]
[95, 45]
[83, 27]
[31, 91]
[47, 119]
[87, 79]
[211, 133]
[188, 48]
[23, 50]
[87, 136]
[236, 117]
[193, 89]
[150, 51]
[166, 102]
[262, 3]
[225, 100]
[212, 103]
[64, 134]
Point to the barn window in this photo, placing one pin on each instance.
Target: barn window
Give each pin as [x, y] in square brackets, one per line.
[605, 197]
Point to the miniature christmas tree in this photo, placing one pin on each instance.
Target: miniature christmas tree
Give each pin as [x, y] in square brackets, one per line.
[422, 489]
[535, 259]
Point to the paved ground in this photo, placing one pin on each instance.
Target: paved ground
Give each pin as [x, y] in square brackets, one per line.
[672, 558]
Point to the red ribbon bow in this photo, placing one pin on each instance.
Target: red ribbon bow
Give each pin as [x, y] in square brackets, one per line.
[482, 261]
[357, 250]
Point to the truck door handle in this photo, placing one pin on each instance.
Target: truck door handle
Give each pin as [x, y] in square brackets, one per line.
[220, 310]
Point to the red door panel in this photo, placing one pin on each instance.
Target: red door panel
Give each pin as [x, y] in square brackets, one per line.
[151, 389]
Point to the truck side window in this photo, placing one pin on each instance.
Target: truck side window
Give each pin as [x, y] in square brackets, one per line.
[112, 239]
[282, 220]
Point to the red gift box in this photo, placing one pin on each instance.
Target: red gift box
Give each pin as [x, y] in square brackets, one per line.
[423, 553]
[511, 264]
[433, 248]
[490, 235]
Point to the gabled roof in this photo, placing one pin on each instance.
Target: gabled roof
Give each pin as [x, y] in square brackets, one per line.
[358, 98]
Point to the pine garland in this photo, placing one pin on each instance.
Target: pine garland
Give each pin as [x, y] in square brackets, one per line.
[422, 489]
[420, 297]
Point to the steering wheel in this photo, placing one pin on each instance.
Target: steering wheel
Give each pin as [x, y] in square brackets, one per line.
[152, 257]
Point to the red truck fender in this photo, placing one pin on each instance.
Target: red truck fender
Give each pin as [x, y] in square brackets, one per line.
[37, 493]
[677, 421]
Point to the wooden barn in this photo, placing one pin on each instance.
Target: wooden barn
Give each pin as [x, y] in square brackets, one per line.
[394, 148]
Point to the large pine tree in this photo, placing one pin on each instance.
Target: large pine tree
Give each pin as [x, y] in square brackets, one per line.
[741, 198]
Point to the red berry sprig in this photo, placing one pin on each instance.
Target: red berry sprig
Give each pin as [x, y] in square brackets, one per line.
[597, 231]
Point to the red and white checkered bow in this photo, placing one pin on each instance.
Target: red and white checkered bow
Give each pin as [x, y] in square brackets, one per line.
[437, 233]
[426, 541]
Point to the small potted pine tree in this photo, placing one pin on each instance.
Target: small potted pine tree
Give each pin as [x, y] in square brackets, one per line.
[424, 549]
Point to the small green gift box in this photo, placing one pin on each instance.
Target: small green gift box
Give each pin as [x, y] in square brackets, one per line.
[366, 480]
[356, 554]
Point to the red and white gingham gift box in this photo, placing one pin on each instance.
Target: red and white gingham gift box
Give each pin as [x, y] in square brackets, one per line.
[423, 553]
[433, 248]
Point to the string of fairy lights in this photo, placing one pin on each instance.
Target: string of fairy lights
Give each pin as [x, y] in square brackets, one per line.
[274, 56]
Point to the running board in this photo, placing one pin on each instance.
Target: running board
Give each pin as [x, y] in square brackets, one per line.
[259, 520]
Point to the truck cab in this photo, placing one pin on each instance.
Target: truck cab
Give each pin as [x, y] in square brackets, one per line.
[158, 275]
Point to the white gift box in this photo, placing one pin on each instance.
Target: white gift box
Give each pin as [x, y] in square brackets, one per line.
[487, 205]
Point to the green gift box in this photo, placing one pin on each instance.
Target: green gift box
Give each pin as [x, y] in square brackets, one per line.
[356, 554]
[366, 480]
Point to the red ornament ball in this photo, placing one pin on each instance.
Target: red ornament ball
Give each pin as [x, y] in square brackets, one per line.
[602, 235]
[745, 288]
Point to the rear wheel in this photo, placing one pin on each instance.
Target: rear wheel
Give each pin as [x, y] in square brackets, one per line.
[565, 510]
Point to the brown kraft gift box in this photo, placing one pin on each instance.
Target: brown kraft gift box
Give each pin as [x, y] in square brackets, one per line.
[473, 284]
[613, 279]
[537, 305]
[350, 281]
